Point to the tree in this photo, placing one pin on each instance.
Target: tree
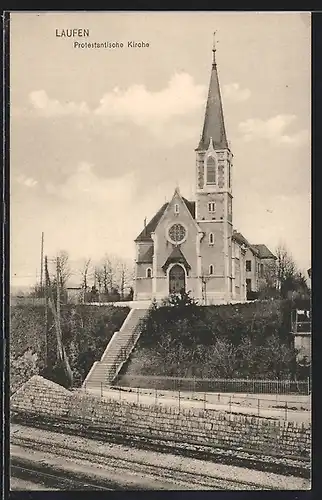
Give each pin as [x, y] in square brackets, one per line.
[84, 273]
[282, 278]
[114, 275]
[64, 268]
[125, 276]
[108, 273]
[98, 279]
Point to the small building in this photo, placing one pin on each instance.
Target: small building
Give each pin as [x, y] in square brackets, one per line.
[260, 264]
[301, 330]
[75, 294]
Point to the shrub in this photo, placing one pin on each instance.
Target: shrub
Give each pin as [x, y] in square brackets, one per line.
[242, 340]
[86, 331]
[22, 369]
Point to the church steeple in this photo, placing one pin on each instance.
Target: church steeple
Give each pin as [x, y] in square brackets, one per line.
[214, 126]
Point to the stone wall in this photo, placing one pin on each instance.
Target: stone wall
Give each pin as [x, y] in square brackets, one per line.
[217, 429]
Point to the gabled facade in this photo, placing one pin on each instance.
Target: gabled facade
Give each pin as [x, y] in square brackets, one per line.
[191, 245]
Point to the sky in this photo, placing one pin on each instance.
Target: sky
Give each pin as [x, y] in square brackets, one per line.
[100, 138]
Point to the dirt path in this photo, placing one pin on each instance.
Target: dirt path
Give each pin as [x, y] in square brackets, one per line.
[296, 411]
[132, 468]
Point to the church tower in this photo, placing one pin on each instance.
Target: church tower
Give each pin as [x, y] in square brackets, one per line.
[214, 196]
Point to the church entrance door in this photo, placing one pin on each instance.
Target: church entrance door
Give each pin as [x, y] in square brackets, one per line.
[177, 280]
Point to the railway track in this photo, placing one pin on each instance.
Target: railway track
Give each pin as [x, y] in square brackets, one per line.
[52, 481]
[155, 473]
[229, 457]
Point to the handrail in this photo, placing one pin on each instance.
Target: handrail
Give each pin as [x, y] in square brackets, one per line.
[125, 351]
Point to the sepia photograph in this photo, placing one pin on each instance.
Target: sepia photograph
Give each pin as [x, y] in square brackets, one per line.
[160, 251]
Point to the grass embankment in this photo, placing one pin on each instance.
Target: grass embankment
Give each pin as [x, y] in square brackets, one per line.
[251, 340]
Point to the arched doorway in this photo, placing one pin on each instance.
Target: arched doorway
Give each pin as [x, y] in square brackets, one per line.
[177, 279]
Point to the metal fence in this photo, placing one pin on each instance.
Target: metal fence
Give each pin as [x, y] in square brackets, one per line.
[281, 407]
[246, 386]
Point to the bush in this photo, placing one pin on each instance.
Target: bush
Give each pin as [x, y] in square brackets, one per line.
[22, 369]
[86, 332]
[242, 340]
[27, 331]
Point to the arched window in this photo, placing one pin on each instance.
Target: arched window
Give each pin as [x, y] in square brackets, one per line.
[211, 238]
[211, 171]
[149, 272]
[211, 269]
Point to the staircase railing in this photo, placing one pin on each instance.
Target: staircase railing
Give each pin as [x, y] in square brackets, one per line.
[125, 352]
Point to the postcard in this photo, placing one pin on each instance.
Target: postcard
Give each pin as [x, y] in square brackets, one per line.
[160, 272]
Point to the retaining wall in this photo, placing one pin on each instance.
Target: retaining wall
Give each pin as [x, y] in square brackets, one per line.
[204, 427]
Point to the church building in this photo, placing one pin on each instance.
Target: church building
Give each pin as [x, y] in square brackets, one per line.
[191, 245]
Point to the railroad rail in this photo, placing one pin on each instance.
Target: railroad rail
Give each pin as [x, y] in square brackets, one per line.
[53, 481]
[155, 473]
[297, 466]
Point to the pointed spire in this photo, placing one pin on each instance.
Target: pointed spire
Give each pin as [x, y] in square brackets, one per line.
[214, 126]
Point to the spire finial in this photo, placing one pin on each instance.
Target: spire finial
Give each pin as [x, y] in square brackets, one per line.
[214, 48]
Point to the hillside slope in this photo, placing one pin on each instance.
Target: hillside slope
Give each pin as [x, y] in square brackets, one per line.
[250, 340]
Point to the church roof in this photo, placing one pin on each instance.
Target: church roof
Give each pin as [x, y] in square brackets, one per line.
[176, 256]
[145, 235]
[214, 126]
[260, 250]
[147, 258]
[264, 252]
[191, 206]
[240, 238]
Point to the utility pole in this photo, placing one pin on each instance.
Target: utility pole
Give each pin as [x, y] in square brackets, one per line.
[42, 262]
[58, 292]
[46, 314]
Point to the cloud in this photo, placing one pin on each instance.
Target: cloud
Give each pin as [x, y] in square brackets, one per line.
[26, 181]
[143, 107]
[301, 137]
[98, 215]
[52, 107]
[273, 130]
[86, 187]
[233, 92]
[168, 114]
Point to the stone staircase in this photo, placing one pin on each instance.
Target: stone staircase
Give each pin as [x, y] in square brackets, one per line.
[118, 350]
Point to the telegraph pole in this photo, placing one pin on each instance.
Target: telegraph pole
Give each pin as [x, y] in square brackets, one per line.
[46, 314]
[58, 291]
[42, 262]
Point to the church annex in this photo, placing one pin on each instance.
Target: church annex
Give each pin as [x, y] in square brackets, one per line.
[191, 245]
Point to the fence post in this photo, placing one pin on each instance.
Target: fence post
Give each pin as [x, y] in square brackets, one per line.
[179, 398]
[155, 396]
[204, 401]
[285, 410]
[218, 396]
[101, 390]
[258, 407]
[230, 403]
[138, 394]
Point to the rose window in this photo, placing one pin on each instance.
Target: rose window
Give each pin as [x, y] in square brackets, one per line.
[177, 233]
